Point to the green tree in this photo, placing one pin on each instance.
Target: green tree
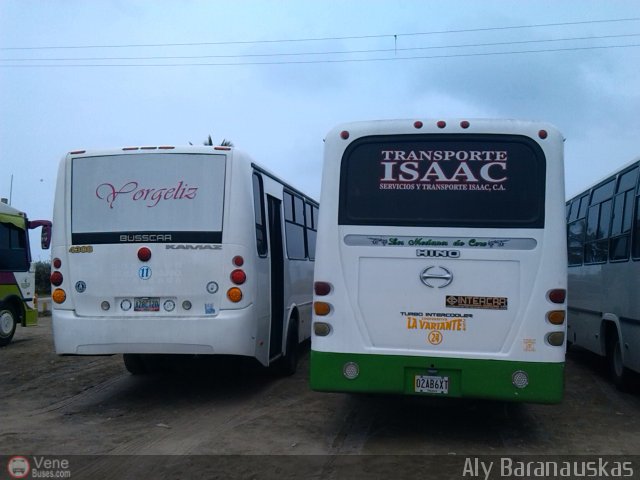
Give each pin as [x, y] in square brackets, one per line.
[43, 273]
[224, 143]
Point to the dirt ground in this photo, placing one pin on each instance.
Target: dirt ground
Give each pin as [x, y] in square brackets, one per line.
[254, 422]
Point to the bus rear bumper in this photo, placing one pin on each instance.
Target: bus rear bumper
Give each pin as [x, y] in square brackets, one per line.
[466, 378]
[229, 333]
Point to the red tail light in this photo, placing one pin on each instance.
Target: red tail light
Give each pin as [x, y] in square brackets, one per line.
[144, 254]
[238, 277]
[57, 263]
[322, 288]
[56, 279]
[557, 295]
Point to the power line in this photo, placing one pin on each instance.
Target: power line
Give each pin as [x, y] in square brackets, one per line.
[302, 62]
[322, 39]
[337, 52]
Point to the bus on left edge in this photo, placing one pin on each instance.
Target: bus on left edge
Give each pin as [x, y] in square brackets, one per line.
[16, 306]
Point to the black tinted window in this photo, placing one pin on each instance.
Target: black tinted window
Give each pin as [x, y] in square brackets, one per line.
[14, 255]
[443, 180]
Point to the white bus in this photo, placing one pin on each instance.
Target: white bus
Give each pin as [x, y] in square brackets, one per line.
[180, 250]
[440, 261]
[603, 237]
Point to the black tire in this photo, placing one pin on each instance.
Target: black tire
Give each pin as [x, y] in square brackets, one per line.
[135, 364]
[620, 374]
[287, 365]
[8, 324]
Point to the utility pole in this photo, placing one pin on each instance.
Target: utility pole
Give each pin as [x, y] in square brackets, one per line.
[11, 189]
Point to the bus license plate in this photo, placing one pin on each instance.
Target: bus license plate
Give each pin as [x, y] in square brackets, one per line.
[146, 304]
[431, 384]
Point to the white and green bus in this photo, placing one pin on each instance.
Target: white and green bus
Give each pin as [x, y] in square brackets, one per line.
[441, 265]
[17, 273]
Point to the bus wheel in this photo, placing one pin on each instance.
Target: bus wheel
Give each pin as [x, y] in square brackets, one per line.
[288, 364]
[134, 364]
[620, 374]
[8, 323]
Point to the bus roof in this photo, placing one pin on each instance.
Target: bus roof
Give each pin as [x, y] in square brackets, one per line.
[443, 126]
[8, 214]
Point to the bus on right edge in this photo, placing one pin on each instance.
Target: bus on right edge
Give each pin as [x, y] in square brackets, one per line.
[603, 242]
[441, 260]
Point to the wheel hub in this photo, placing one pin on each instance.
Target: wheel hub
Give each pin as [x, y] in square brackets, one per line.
[6, 323]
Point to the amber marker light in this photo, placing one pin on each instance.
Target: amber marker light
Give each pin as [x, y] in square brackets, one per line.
[234, 294]
[59, 295]
[556, 317]
[321, 308]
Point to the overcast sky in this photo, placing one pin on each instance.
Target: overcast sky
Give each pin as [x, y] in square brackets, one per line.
[170, 73]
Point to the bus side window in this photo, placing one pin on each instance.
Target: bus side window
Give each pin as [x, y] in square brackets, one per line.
[294, 226]
[258, 207]
[596, 249]
[619, 244]
[311, 230]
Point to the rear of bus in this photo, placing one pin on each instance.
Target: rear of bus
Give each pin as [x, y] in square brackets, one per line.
[440, 265]
[138, 261]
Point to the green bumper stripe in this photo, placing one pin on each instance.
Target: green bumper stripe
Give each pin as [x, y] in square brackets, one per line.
[490, 379]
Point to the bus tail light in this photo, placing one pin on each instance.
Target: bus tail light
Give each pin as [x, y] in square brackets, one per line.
[59, 295]
[557, 295]
[321, 308]
[186, 305]
[56, 279]
[105, 306]
[555, 339]
[238, 277]
[321, 329]
[56, 262]
[238, 261]
[322, 288]
[234, 294]
[556, 317]
[144, 254]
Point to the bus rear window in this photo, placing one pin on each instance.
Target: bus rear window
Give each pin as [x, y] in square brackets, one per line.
[147, 197]
[489, 181]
